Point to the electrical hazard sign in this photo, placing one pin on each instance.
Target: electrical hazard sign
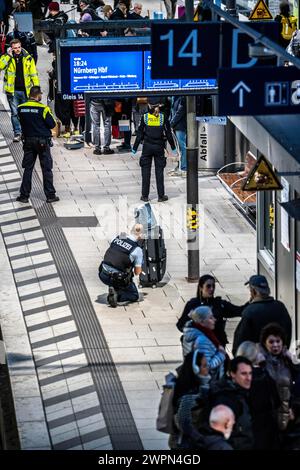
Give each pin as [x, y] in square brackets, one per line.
[261, 12]
[262, 177]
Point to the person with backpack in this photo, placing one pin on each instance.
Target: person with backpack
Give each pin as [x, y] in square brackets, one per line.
[288, 23]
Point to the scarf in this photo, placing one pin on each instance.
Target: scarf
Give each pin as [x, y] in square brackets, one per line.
[209, 333]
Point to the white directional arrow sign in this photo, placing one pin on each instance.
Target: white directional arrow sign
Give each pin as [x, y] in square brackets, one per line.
[241, 87]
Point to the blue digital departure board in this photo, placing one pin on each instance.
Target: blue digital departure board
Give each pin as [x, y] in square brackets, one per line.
[115, 67]
[157, 84]
[104, 71]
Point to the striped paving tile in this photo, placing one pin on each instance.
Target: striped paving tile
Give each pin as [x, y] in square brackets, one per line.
[59, 367]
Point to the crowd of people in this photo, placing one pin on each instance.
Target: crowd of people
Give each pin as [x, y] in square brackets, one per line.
[248, 401]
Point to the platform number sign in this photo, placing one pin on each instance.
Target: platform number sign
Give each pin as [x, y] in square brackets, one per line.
[181, 50]
[189, 49]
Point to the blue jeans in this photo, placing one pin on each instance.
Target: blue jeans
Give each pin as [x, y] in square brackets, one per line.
[130, 293]
[18, 97]
[181, 137]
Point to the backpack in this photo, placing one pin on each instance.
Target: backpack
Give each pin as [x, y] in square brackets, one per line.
[288, 26]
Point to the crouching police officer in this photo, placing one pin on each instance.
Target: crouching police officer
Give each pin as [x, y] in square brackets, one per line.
[36, 123]
[123, 258]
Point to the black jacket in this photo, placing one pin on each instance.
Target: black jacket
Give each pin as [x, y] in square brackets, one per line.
[257, 315]
[36, 119]
[154, 135]
[178, 110]
[226, 392]
[264, 401]
[211, 439]
[222, 309]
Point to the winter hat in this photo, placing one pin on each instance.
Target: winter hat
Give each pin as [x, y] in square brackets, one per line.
[53, 6]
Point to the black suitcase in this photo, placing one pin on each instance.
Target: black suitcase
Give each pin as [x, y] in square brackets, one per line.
[155, 260]
[154, 250]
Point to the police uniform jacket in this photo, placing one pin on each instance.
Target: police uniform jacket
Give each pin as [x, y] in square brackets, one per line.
[153, 130]
[118, 254]
[36, 119]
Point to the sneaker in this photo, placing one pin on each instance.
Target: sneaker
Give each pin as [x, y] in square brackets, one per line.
[76, 133]
[52, 199]
[17, 138]
[144, 199]
[23, 199]
[112, 297]
[163, 198]
[175, 172]
[108, 151]
[97, 151]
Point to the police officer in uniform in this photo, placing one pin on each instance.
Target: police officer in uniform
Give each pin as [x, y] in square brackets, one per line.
[153, 129]
[36, 123]
[123, 258]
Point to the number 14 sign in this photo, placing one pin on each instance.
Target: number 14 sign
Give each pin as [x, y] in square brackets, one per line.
[185, 50]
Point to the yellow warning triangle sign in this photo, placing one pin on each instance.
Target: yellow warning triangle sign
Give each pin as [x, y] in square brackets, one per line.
[261, 12]
[261, 177]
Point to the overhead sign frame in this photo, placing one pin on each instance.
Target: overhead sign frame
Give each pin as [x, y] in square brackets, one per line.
[260, 12]
[262, 177]
[117, 67]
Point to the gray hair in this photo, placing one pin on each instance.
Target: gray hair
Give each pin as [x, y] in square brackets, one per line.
[200, 313]
[263, 291]
[249, 350]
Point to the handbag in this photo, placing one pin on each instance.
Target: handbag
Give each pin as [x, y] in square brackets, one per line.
[165, 417]
[124, 124]
[164, 420]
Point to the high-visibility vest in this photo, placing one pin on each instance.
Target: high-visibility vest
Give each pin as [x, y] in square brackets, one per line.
[8, 64]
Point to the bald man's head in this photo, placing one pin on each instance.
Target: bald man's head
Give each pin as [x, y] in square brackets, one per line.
[222, 419]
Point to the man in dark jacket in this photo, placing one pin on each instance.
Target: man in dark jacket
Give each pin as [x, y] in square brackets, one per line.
[214, 436]
[262, 309]
[36, 121]
[234, 393]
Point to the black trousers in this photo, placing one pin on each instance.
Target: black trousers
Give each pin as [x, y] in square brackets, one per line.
[160, 162]
[32, 149]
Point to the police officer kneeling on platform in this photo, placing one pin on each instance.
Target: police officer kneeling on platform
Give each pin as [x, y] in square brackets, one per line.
[36, 123]
[122, 260]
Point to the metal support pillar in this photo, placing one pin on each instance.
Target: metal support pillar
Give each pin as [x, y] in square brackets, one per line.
[192, 177]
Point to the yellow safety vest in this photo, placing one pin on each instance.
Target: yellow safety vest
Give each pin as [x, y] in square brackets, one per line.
[154, 121]
[8, 64]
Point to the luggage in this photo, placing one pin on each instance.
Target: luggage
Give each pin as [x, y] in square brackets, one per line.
[79, 108]
[154, 250]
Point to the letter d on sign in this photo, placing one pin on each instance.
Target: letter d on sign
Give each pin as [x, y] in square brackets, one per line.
[235, 50]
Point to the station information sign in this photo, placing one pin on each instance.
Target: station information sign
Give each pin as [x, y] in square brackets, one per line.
[114, 67]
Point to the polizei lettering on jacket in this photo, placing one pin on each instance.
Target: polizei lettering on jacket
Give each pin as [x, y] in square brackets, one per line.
[122, 243]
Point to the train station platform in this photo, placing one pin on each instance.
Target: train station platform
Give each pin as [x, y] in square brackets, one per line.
[84, 375]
